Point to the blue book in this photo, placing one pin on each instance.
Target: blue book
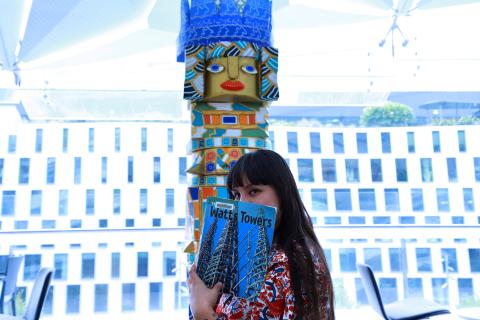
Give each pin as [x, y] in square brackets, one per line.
[235, 246]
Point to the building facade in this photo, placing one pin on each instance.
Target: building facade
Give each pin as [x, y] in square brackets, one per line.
[104, 203]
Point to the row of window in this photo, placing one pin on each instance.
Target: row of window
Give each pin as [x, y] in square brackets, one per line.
[362, 142]
[9, 202]
[12, 140]
[329, 170]
[319, 196]
[24, 170]
[305, 170]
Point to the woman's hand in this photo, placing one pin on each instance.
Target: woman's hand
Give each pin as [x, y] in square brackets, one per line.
[202, 299]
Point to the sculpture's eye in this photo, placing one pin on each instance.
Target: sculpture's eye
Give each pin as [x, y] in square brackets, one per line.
[250, 69]
[215, 68]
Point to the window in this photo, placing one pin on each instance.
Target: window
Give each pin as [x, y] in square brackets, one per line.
[91, 139]
[156, 296]
[424, 259]
[386, 146]
[305, 170]
[271, 135]
[348, 260]
[50, 170]
[129, 223]
[415, 288]
[449, 260]
[77, 173]
[156, 222]
[62, 202]
[362, 142]
[24, 173]
[90, 202]
[75, 223]
[143, 201]
[440, 290]
[156, 170]
[436, 141]
[468, 203]
[169, 263]
[443, 202]
[169, 201]
[182, 170]
[452, 169]
[319, 200]
[376, 168]
[48, 304]
[65, 140]
[12, 143]
[115, 266]
[476, 168]
[38, 140]
[61, 266]
[401, 167]
[101, 298]
[462, 143]
[373, 257]
[130, 169]
[104, 170]
[388, 287]
[432, 220]
[103, 223]
[465, 290]
[170, 140]
[392, 202]
[395, 259]
[8, 203]
[351, 169]
[315, 142]
[381, 220]
[366, 198]
[292, 142]
[474, 255]
[426, 168]
[411, 142]
[338, 146]
[117, 140]
[116, 201]
[36, 203]
[417, 200]
[73, 299]
[181, 295]
[32, 265]
[88, 265]
[142, 264]
[343, 200]
[1, 171]
[329, 170]
[143, 142]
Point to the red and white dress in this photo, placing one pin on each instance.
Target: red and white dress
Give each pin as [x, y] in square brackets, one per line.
[275, 301]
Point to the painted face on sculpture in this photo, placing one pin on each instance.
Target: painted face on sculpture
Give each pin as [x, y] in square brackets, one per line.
[231, 79]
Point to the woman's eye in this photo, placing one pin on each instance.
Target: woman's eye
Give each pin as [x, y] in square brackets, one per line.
[215, 68]
[249, 69]
[253, 192]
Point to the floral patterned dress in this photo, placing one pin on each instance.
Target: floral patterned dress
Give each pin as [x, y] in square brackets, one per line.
[275, 301]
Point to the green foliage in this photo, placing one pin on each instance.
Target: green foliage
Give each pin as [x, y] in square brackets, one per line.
[466, 120]
[390, 115]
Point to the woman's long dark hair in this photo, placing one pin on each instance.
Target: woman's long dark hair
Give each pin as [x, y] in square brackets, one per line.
[295, 234]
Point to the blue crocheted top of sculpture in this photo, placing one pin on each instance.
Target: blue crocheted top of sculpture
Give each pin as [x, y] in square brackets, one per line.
[209, 21]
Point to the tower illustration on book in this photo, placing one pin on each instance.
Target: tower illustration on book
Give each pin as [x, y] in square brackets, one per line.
[259, 263]
[223, 261]
[235, 246]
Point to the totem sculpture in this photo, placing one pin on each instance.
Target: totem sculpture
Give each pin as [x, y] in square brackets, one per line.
[230, 78]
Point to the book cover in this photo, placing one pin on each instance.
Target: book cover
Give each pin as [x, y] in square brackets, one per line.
[235, 246]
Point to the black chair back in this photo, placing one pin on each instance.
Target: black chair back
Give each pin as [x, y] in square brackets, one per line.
[371, 289]
[38, 295]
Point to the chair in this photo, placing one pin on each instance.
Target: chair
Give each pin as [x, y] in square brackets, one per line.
[9, 282]
[408, 309]
[37, 297]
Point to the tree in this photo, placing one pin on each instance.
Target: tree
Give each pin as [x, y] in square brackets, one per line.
[389, 115]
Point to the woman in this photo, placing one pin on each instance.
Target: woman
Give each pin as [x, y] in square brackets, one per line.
[298, 283]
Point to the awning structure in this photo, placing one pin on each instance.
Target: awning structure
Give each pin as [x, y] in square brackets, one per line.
[330, 51]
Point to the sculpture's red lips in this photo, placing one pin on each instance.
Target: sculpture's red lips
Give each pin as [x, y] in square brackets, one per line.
[232, 85]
